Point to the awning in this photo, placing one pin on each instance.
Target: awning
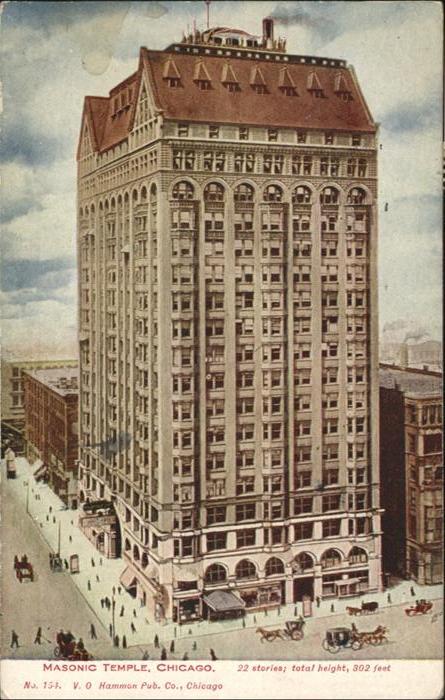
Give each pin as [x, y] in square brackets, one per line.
[41, 471]
[222, 601]
[347, 581]
[127, 578]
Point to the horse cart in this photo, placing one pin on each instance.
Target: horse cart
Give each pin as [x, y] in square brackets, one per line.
[422, 607]
[365, 609]
[68, 648]
[293, 630]
[340, 638]
[23, 570]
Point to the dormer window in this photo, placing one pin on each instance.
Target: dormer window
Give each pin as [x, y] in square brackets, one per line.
[201, 76]
[272, 135]
[314, 86]
[171, 74]
[286, 84]
[341, 88]
[257, 81]
[213, 132]
[356, 140]
[243, 133]
[183, 129]
[329, 138]
[301, 136]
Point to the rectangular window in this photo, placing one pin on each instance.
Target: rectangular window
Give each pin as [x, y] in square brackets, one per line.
[245, 538]
[303, 531]
[217, 514]
[331, 528]
[216, 540]
[303, 505]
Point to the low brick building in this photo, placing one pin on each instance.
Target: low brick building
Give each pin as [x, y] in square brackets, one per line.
[411, 464]
[51, 427]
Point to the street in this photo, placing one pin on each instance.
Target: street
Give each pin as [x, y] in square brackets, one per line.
[72, 602]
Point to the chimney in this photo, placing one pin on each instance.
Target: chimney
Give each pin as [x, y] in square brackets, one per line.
[403, 356]
[268, 32]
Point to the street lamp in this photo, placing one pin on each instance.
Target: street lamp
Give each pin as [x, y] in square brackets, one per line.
[27, 498]
[113, 607]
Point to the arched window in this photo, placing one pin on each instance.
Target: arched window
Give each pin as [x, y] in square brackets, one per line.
[301, 195]
[329, 195]
[183, 190]
[357, 555]
[214, 192]
[153, 193]
[144, 560]
[273, 193]
[136, 554]
[330, 559]
[303, 562]
[127, 545]
[216, 573]
[356, 196]
[244, 193]
[274, 566]
[245, 569]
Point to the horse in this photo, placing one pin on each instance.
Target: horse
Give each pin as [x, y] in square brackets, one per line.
[353, 611]
[269, 635]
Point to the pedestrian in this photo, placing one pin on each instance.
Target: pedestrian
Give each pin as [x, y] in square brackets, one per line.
[254, 619]
[413, 592]
[16, 561]
[54, 519]
[172, 647]
[101, 561]
[332, 608]
[89, 585]
[174, 631]
[185, 657]
[145, 656]
[50, 509]
[119, 589]
[102, 602]
[72, 522]
[244, 622]
[70, 538]
[65, 561]
[93, 634]
[116, 641]
[14, 639]
[47, 518]
[213, 655]
[133, 628]
[279, 611]
[38, 639]
[134, 613]
[163, 653]
[195, 646]
[318, 601]
[111, 630]
[156, 641]
[265, 613]
[388, 598]
[114, 589]
[97, 578]
[92, 562]
[122, 611]
[124, 642]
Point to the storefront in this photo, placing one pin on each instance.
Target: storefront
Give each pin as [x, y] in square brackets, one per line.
[222, 605]
[100, 525]
[262, 597]
[187, 610]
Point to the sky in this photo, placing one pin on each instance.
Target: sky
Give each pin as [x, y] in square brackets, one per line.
[55, 53]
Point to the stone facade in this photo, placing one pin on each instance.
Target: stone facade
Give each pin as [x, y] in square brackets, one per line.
[228, 332]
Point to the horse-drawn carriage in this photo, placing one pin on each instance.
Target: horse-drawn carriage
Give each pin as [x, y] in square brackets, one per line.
[23, 569]
[293, 630]
[422, 607]
[68, 648]
[340, 638]
[365, 609]
[375, 637]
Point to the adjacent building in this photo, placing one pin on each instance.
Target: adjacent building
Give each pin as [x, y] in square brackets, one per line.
[51, 427]
[227, 247]
[12, 404]
[411, 463]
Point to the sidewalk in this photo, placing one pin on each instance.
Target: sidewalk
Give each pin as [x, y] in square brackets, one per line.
[97, 582]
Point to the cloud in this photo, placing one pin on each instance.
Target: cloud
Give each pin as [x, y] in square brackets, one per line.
[411, 116]
[45, 274]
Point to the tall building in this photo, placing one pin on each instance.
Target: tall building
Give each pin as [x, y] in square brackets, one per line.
[228, 325]
[411, 463]
[51, 427]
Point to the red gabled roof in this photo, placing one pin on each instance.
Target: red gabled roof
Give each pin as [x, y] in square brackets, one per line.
[246, 106]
